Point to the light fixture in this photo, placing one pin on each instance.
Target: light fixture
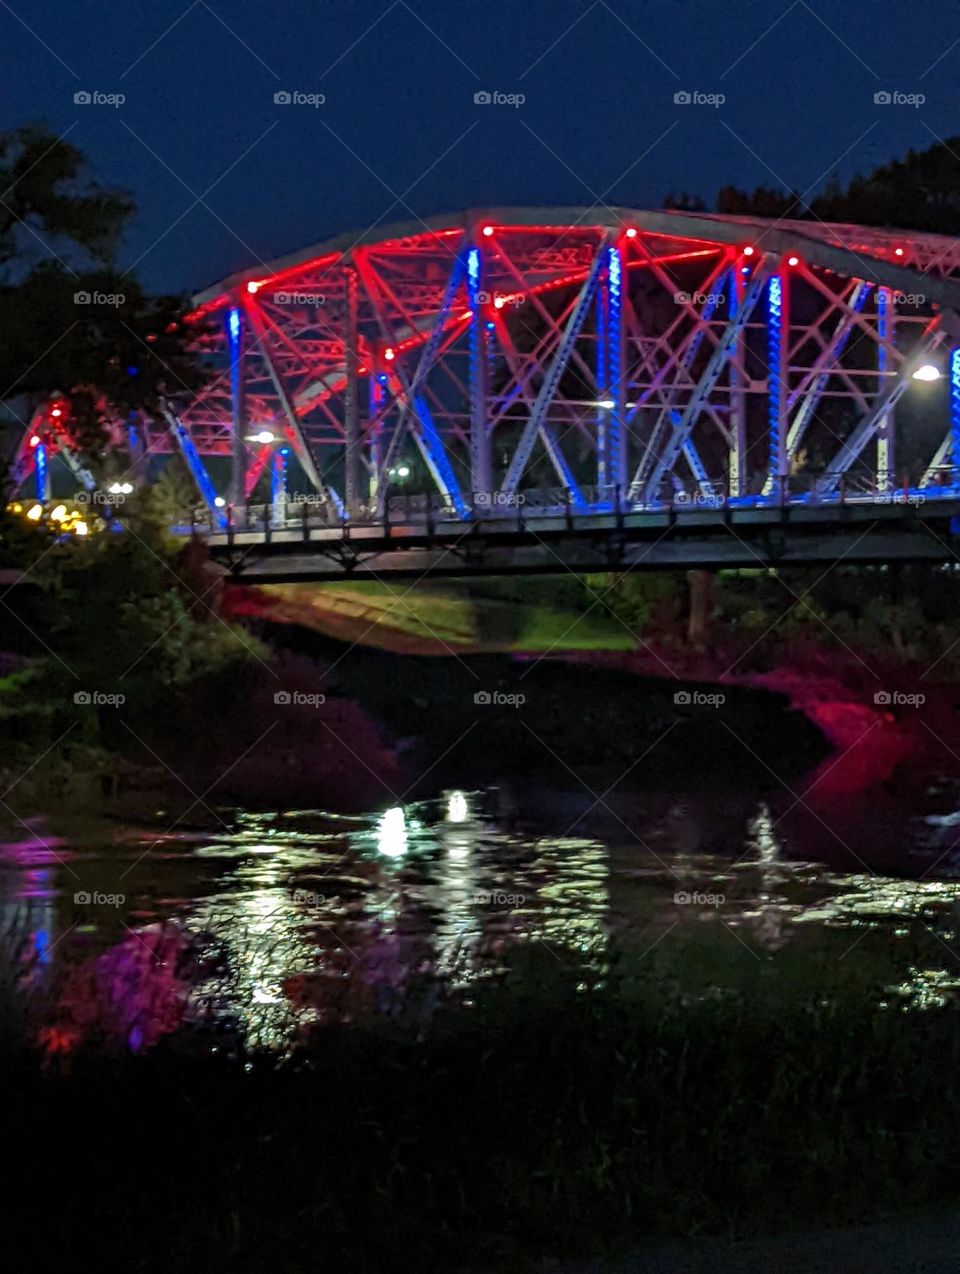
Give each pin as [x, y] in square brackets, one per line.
[389, 354]
[748, 251]
[927, 371]
[35, 513]
[793, 260]
[403, 471]
[487, 231]
[253, 288]
[607, 403]
[631, 232]
[264, 436]
[219, 502]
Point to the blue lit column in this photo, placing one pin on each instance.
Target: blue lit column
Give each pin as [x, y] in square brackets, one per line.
[238, 449]
[278, 486]
[611, 432]
[42, 471]
[886, 456]
[955, 416]
[778, 327]
[481, 478]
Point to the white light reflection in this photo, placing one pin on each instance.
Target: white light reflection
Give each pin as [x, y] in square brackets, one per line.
[458, 810]
[392, 833]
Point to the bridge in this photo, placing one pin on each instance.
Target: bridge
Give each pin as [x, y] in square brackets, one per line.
[492, 389]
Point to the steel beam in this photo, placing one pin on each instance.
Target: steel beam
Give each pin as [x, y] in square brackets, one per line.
[708, 380]
[554, 372]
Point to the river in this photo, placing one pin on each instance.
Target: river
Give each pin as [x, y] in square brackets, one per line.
[253, 933]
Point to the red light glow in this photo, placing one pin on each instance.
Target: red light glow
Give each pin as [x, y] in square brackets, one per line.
[487, 231]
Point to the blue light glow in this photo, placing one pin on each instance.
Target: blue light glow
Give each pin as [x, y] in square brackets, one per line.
[775, 388]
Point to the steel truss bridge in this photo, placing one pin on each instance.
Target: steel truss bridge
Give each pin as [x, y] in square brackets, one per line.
[607, 376]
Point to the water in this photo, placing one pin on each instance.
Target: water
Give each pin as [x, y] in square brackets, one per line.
[277, 922]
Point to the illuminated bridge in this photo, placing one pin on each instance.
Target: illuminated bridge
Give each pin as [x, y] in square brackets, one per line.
[491, 390]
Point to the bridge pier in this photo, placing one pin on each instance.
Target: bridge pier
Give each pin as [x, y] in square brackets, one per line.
[700, 606]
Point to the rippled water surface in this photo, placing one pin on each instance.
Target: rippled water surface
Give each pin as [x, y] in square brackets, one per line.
[279, 921]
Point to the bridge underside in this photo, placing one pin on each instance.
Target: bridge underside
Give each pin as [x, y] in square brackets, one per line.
[732, 539]
[474, 364]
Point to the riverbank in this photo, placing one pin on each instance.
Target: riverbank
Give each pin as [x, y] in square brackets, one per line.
[550, 1117]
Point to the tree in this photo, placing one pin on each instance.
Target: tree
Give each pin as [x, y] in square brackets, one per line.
[75, 324]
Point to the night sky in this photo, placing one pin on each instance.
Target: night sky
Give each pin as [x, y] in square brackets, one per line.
[400, 136]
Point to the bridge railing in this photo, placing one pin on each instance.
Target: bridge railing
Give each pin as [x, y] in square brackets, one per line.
[430, 510]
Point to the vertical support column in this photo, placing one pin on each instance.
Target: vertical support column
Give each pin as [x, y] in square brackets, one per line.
[886, 455]
[377, 383]
[604, 400]
[351, 454]
[778, 328]
[617, 475]
[41, 461]
[238, 449]
[278, 486]
[955, 416]
[481, 477]
[737, 473]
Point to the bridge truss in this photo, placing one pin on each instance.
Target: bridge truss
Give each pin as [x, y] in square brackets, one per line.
[627, 358]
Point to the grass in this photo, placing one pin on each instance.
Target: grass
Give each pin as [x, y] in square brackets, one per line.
[696, 1090]
[437, 618]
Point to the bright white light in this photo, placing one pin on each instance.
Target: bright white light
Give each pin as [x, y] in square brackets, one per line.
[392, 833]
[608, 403]
[80, 528]
[403, 472]
[35, 513]
[219, 501]
[927, 371]
[115, 488]
[265, 435]
[59, 513]
[457, 810]
[127, 488]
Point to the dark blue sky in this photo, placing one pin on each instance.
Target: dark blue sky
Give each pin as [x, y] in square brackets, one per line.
[400, 123]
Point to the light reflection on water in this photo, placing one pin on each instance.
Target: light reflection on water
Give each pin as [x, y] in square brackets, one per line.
[284, 920]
